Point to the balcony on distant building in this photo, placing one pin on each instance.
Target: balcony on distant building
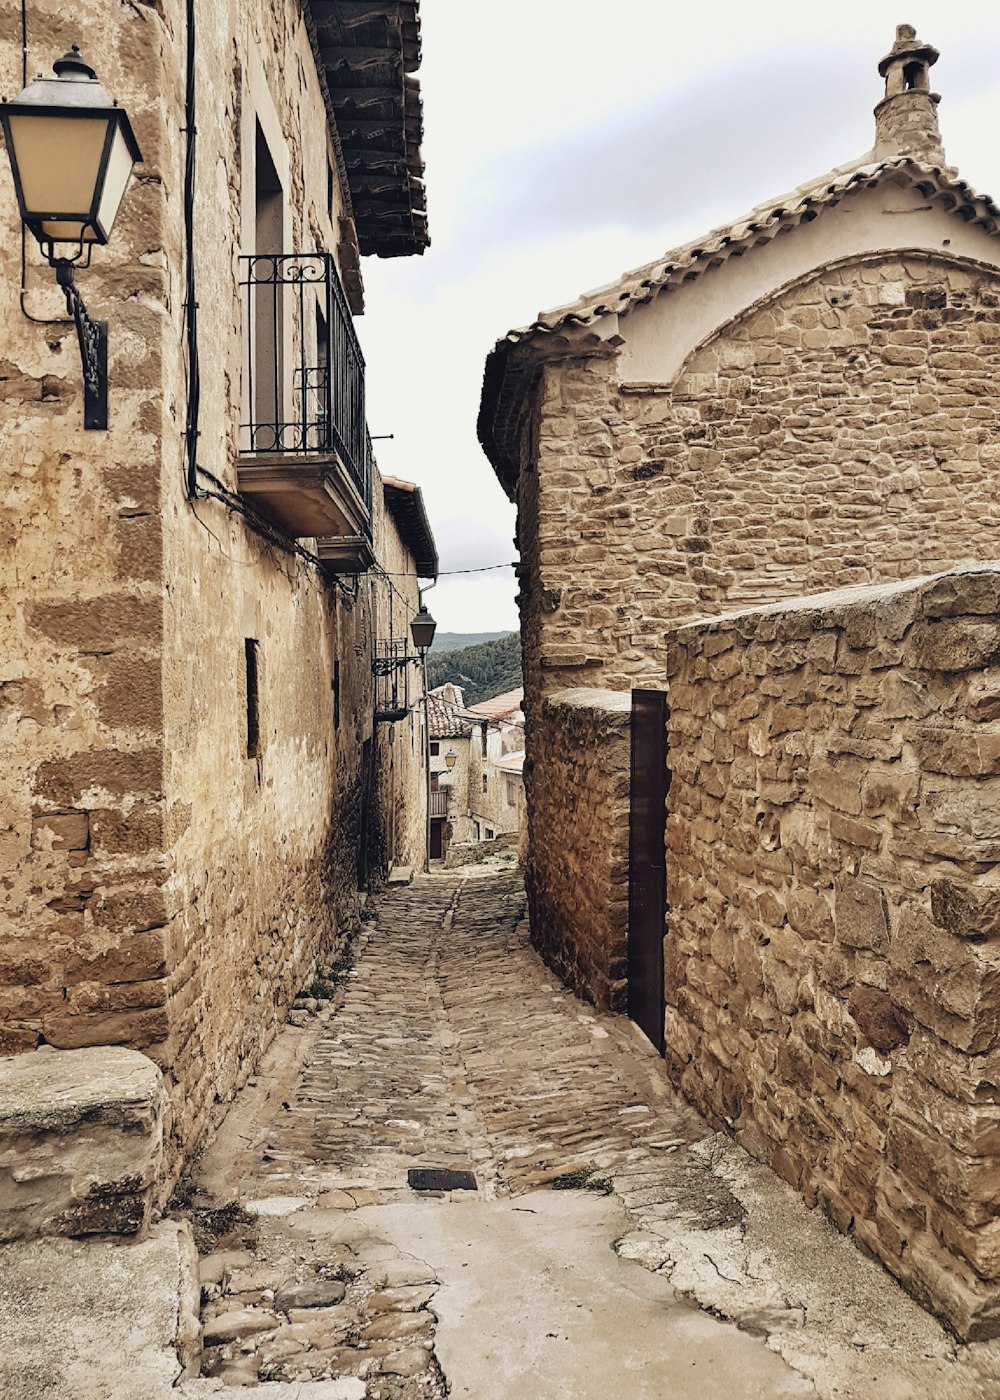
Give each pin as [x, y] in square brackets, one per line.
[305, 456]
[439, 803]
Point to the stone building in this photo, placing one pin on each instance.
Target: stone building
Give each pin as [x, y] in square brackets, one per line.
[804, 399]
[450, 729]
[477, 790]
[194, 787]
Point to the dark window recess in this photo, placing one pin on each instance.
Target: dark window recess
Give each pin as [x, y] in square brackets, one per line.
[335, 687]
[435, 748]
[485, 782]
[440, 1179]
[253, 697]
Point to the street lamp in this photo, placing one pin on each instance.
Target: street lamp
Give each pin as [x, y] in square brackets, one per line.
[451, 758]
[71, 152]
[422, 629]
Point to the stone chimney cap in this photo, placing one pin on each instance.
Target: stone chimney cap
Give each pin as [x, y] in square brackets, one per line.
[907, 45]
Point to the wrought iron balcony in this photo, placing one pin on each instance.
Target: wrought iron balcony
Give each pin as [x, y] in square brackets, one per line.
[305, 452]
[391, 665]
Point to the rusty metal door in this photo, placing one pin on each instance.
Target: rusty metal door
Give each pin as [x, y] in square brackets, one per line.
[647, 888]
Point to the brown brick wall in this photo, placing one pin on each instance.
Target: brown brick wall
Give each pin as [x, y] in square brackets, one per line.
[832, 975]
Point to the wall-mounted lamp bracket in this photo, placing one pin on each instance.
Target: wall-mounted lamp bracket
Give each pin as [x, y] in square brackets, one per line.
[93, 338]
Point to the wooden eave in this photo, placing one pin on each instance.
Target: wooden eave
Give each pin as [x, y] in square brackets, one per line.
[367, 52]
[405, 503]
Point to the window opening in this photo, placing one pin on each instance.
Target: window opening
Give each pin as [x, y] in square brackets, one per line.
[267, 310]
[250, 651]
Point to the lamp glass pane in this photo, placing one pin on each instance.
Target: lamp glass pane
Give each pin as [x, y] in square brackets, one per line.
[58, 162]
[115, 181]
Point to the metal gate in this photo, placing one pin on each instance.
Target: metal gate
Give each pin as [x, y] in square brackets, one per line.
[647, 889]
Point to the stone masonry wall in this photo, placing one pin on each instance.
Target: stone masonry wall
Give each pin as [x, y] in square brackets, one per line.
[842, 431]
[159, 888]
[832, 965]
[577, 870]
[82, 810]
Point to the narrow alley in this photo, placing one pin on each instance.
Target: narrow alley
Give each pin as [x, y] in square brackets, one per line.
[611, 1242]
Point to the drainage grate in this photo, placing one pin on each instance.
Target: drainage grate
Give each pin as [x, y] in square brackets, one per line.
[439, 1179]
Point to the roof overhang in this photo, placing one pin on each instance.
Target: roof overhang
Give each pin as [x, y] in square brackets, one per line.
[591, 325]
[367, 52]
[405, 504]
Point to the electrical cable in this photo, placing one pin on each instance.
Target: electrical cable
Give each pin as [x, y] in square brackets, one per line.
[193, 412]
[450, 573]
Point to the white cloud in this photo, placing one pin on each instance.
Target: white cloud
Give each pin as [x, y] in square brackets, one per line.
[567, 141]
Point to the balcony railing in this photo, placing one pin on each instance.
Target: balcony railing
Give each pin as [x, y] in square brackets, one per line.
[391, 666]
[439, 804]
[305, 373]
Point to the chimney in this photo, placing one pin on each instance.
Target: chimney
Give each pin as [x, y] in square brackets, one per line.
[906, 121]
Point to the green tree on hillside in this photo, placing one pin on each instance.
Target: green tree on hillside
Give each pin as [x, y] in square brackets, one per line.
[482, 671]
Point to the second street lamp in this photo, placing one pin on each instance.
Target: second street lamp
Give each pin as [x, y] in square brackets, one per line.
[71, 152]
[422, 629]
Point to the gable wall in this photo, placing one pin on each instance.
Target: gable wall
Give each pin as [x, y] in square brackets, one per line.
[842, 432]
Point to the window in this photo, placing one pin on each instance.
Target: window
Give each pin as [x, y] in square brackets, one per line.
[489, 833]
[485, 782]
[511, 793]
[435, 748]
[252, 698]
[268, 390]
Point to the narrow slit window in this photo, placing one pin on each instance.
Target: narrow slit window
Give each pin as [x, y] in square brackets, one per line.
[250, 647]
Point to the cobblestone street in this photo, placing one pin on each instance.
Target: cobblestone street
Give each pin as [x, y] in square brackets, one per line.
[450, 1045]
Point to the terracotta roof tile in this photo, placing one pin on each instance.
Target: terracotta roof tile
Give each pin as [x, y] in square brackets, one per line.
[512, 363]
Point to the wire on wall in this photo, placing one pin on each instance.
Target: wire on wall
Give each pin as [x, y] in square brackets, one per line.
[191, 429]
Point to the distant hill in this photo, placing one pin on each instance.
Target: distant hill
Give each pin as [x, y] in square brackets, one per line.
[482, 671]
[455, 641]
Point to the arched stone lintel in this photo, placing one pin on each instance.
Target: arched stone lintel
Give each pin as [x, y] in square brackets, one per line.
[661, 335]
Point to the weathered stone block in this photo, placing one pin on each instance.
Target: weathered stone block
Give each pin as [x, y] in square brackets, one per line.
[119, 774]
[81, 1142]
[860, 913]
[878, 1019]
[967, 910]
[99, 624]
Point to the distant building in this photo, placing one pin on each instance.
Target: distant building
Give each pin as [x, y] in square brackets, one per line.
[477, 790]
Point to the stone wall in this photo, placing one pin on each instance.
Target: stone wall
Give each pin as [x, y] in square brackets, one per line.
[840, 431]
[577, 868]
[832, 973]
[160, 887]
[82, 811]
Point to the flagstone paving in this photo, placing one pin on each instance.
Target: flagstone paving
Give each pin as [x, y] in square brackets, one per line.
[450, 1045]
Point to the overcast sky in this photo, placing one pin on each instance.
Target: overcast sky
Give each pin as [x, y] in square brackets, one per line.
[569, 140]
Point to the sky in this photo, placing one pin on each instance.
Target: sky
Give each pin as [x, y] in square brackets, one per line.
[567, 141]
